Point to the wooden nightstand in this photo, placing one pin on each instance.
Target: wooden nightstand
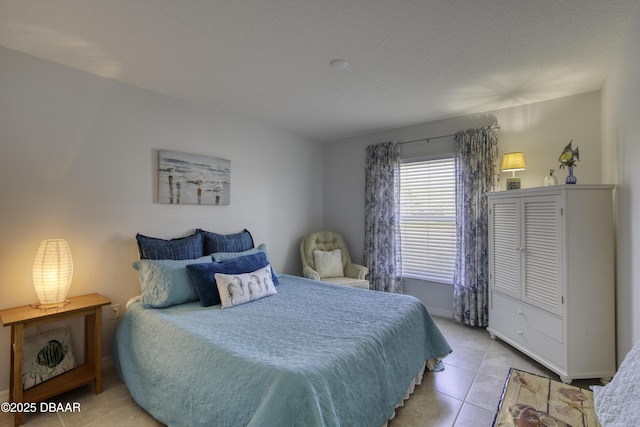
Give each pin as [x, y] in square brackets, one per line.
[89, 306]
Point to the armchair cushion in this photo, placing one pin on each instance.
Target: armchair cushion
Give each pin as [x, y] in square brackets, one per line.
[328, 263]
[347, 281]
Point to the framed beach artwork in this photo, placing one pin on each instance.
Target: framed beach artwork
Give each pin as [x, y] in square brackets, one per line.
[188, 179]
[46, 356]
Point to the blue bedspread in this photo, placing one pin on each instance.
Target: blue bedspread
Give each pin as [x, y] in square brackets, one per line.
[314, 354]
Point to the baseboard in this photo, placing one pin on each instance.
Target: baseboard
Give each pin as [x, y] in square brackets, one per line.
[440, 312]
[107, 362]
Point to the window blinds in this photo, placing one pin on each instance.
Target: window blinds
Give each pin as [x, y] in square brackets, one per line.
[427, 219]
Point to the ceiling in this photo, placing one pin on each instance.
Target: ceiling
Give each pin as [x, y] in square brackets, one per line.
[409, 61]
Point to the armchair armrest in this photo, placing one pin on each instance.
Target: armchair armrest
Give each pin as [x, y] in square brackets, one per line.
[355, 271]
[310, 273]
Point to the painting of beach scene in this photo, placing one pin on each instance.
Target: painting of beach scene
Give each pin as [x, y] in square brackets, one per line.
[188, 179]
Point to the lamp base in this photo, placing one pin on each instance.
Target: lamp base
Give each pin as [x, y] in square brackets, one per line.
[51, 306]
[513, 183]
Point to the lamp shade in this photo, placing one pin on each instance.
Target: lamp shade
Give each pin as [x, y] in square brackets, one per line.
[52, 271]
[512, 162]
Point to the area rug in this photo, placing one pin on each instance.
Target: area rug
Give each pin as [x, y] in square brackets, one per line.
[529, 400]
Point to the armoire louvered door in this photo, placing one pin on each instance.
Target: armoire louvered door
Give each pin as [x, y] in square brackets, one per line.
[541, 253]
[505, 221]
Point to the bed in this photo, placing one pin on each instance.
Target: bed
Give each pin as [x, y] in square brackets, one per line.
[309, 354]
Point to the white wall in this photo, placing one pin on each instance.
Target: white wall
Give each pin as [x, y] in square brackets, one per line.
[620, 159]
[78, 160]
[540, 130]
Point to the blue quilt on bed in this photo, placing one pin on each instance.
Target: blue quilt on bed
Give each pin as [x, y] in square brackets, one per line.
[314, 354]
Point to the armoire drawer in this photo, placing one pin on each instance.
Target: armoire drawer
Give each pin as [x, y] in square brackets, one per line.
[526, 337]
[526, 316]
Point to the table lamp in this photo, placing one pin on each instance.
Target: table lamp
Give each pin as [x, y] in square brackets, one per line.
[512, 162]
[52, 273]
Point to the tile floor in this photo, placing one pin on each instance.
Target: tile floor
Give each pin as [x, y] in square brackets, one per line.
[466, 393]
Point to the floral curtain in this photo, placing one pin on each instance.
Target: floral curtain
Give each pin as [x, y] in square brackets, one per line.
[476, 156]
[382, 224]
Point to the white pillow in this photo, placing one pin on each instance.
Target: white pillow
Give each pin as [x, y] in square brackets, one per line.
[328, 263]
[236, 289]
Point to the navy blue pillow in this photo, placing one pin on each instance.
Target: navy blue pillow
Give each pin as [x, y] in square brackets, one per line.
[203, 275]
[182, 248]
[214, 242]
[226, 256]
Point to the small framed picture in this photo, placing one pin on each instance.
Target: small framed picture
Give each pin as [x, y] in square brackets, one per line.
[513, 183]
[46, 356]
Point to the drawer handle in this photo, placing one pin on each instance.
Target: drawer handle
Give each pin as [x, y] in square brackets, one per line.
[520, 313]
[519, 333]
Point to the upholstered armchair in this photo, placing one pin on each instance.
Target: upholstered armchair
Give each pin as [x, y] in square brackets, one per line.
[326, 257]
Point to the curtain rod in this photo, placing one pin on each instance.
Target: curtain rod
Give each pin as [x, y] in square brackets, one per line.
[426, 139]
[495, 126]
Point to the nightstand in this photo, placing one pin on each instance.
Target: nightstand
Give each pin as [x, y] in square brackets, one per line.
[89, 306]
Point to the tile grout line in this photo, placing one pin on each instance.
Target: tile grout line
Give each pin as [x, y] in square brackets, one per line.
[475, 378]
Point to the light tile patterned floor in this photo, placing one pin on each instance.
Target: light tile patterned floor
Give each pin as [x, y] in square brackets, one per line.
[466, 393]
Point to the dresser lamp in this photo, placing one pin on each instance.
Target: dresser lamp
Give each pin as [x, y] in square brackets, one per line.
[512, 162]
[52, 273]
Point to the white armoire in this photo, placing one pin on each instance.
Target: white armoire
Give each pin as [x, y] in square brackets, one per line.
[551, 277]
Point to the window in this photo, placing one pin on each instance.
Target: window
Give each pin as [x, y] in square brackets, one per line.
[428, 219]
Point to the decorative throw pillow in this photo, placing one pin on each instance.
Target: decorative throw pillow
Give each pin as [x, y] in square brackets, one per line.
[166, 282]
[203, 275]
[328, 263]
[236, 289]
[224, 256]
[214, 242]
[189, 247]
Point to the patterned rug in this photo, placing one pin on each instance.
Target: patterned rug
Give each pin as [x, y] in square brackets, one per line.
[529, 400]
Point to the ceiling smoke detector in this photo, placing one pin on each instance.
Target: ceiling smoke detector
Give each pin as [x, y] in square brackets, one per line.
[339, 64]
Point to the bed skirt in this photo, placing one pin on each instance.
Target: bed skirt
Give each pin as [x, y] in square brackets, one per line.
[417, 380]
